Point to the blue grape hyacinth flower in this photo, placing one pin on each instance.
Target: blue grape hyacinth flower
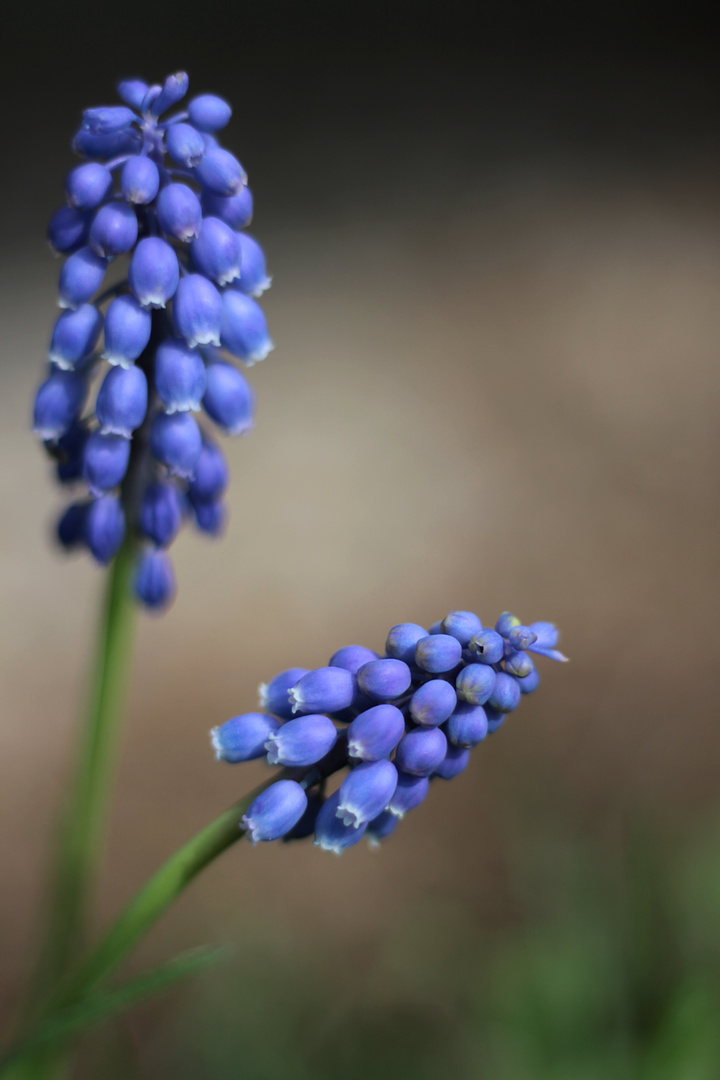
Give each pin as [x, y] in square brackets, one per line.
[158, 291]
[387, 725]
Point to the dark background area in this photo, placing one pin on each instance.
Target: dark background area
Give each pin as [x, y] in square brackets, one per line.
[495, 237]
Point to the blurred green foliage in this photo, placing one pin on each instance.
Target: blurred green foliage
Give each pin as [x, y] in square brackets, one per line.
[602, 961]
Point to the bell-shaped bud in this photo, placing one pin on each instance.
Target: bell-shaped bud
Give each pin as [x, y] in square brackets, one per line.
[88, 185]
[325, 690]
[155, 580]
[380, 828]
[530, 682]
[365, 792]
[70, 529]
[109, 146]
[375, 733]
[122, 401]
[127, 331]
[216, 251]
[409, 793]
[209, 113]
[179, 376]
[179, 212]
[140, 180]
[174, 89]
[68, 229]
[330, 832]
[114, 229]
[244, 331]
[229, 399]
[275, 811]
[74, 336]
[383, 680]
[210, 516]
[105, 461]
[154, 272]
[70, 447]
[432, 703]
[518, 664]
[185, 145]
[175, 440]
[467, 726]
[107, 119]
[160, 513]
[235, 210]
[402, 639]
[132, 92]
[254, 278]
[436, 627]
[505, 694]
[303, 741]
[220, 172]
[151, 95]
[475, 683]
[438, 653]
[209, 482]
[273, 696]
[58, 402]
[506, 623]
[104, 528]
[243, 738]
[521, 637]
[352, 657]
[462, 625]
[455, 761]
[487, 647]
[197, 311]
[80, 278]
[421, 751]
[306, 825]
[495, 718]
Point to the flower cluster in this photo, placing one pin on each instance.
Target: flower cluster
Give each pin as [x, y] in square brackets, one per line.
[395, 722]
[162, 191]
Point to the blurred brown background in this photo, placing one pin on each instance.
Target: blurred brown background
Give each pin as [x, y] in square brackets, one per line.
[495, 240]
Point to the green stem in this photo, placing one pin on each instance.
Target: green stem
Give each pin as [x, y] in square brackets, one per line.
[149, 903]
[84, 825]
[156, 895]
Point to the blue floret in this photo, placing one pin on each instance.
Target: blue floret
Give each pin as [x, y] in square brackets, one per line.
[391, 752]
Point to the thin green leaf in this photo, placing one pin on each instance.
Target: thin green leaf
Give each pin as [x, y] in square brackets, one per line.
[98, 1006]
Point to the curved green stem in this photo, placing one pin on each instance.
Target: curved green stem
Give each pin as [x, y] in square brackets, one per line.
[149, 903]
[156, 895]
[84, 824]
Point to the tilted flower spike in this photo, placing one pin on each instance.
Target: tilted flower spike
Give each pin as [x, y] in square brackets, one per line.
[159, 194]
[394, 722]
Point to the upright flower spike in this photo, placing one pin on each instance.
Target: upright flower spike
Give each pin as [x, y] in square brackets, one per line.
[389, 754]
[162, 202]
